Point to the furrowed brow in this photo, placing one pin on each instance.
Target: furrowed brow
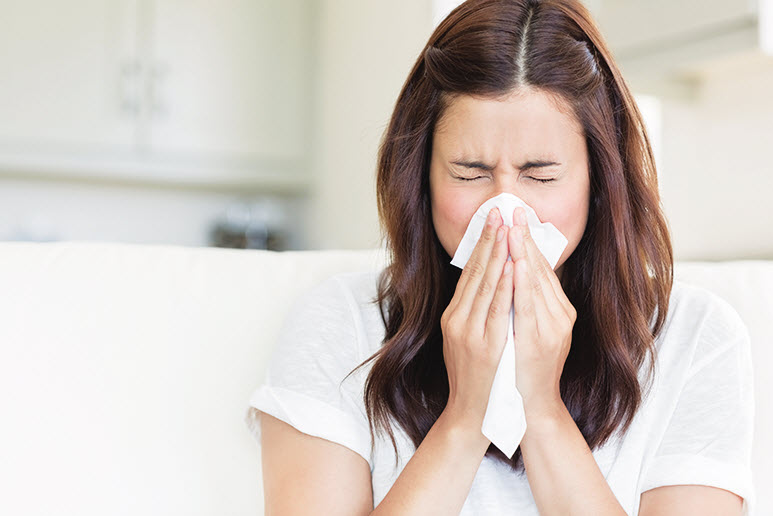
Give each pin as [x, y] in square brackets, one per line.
[526, 166]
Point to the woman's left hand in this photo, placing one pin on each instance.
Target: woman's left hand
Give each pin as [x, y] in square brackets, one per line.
[543, 321]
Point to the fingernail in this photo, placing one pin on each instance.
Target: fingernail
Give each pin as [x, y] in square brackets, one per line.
[490, 218]
[500, 233]
[522, 217]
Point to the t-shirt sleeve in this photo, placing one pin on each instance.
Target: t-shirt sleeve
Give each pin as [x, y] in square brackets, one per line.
[318, 345]
[708, 440]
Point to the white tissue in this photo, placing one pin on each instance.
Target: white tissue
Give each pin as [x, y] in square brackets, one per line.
[505, 421]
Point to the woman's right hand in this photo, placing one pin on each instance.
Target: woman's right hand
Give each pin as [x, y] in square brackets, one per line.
[475, 324]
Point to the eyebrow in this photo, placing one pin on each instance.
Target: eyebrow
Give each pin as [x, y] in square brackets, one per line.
[526, 166]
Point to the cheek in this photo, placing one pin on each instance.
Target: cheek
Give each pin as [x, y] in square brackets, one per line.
[451, 212]
[568, 215]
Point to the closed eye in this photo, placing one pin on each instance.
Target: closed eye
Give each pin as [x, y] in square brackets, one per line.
[480, 177]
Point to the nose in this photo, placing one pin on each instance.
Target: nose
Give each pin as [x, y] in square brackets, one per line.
[510, 186]
[507, 182]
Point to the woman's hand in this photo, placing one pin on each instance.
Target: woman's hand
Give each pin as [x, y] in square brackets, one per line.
[543, 322]
[475, 323]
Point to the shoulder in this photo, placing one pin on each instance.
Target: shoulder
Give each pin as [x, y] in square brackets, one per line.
[700, 324]
[320, 321]
[361, 291]
[341, 306]
[337, 297]
[344, 287]
[360, 286]
[322, 335]
[695, 307]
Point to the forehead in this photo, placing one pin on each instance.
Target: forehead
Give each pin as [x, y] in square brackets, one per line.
[531, 120]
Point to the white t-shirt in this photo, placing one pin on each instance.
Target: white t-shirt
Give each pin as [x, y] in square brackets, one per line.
[695, 427]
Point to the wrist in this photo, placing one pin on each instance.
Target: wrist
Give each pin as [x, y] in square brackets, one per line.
[544, 412]
[463, 428]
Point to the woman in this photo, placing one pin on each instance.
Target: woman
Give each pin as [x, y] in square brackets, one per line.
[636, 388]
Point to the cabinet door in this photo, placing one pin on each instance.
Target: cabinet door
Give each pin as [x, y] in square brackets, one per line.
[69, 75]
[231, 78]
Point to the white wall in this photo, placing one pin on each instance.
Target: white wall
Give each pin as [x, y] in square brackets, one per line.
[365, 51]
[717, 165]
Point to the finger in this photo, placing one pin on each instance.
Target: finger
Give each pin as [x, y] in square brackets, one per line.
[544, 271]
[476, 266]
[476, 250]
[524, 323]
[538, 266]
[541, 292]
[516, 249]
[498, 315]
[471, 263]
[482, 302]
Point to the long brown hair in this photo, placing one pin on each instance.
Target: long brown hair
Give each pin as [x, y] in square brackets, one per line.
[619, 277]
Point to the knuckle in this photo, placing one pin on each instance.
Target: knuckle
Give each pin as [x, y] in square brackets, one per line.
[475, 269]
[545, 338]
[495, 310]
[453, 329]
[484, 288]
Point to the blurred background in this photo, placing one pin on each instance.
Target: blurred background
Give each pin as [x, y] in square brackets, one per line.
[256, 123]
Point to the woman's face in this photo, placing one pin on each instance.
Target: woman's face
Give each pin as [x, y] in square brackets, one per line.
[493, 141]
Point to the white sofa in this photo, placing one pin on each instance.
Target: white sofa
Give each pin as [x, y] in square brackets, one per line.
[125, 370]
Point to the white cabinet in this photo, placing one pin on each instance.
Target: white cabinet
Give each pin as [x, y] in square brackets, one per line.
[229, 77]
[61, 73]
[181, 91]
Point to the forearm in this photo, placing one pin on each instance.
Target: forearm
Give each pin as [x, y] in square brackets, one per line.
[437, 478]
[562, 472]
